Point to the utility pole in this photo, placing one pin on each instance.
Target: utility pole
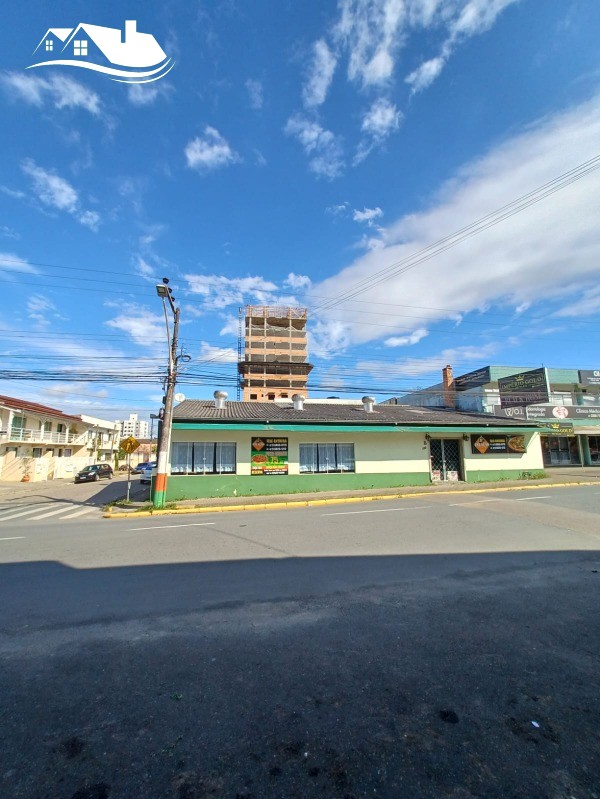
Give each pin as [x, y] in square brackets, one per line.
[164, 448]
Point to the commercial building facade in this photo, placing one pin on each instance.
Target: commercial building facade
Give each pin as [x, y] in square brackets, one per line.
[571, 415]
[274, 364]
[252, 448]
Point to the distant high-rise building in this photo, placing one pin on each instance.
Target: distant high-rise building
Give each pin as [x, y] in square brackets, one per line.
[133, 427]
[274, 364]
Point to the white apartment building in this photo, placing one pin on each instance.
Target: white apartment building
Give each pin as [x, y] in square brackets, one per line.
[133, 427]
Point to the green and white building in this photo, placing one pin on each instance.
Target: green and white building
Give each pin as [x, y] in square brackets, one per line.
[224, 449]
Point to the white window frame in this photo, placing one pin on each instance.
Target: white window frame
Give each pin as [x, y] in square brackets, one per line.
[203, 457]
[80, 47]
[49, 45]
[327, 458]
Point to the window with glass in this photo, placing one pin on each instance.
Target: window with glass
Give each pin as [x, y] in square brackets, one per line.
[203, 457]
[326, 458]
[37, 452]
[594, 445]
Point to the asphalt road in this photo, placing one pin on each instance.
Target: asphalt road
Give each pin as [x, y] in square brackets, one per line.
[435, 646]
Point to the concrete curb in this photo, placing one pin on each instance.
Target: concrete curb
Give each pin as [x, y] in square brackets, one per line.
[311, 503]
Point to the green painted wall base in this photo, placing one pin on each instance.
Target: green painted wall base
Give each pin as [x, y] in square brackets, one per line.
[493, 475]
[188, 487]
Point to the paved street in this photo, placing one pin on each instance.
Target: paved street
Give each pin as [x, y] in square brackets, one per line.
[63, 499]
[445, 645]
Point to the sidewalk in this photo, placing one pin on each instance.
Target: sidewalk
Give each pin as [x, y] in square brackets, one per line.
[557, 477]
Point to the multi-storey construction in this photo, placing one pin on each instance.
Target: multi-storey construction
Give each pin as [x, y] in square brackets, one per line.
[274, 362]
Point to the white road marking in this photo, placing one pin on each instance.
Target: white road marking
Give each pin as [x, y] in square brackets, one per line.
[80, 512]
[14, 538]
[474, 502]
[32, 509]
[526, 499]
[167, 526]
[379, 510]
[64, 509]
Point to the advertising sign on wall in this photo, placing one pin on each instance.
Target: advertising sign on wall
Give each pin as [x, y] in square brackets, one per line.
[589, 377]
[479, 377]
[269, 455]
[526, 388]
[558, 428]
[498, 445]
[550, 412]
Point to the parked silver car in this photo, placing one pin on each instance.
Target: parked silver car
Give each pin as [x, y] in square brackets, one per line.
[146, 473]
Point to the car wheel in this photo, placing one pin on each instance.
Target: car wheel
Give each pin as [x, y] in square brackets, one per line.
[95, 477]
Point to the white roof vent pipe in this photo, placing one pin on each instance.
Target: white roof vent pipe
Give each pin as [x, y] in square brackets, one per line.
[220, 398]
[368, 403]
[298, 400]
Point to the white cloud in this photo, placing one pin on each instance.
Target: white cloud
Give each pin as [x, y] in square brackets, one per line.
[211, 151]
[141, 94]
[216, 354]
[13, 263]
[38, 308]
[414, 367]
[55, 192]
[219, 291]
[338, 210]
[320, 75]
[368, 215]
[540, 253]
[380, 121]
[462, 20]
[255, 93]
[586, 306]
[8, 233]
[370, 30]
[424, 75]
[322, 146]
[295, 281]
[230, 328]
[58, 90]
[327, 339]
[407, 341]
[50, 188]
[145, 327]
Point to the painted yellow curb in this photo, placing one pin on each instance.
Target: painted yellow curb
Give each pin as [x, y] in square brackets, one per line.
[311, 503]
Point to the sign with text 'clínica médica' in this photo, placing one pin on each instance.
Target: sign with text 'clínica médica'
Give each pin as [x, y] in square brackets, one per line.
[269, 455]
[525, 388]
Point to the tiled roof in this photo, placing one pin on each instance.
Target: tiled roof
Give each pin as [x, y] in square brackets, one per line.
[34, 407]
[332, 413]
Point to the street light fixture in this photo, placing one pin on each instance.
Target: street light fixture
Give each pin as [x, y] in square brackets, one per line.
[164, 447]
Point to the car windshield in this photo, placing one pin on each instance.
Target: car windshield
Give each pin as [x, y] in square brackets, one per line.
[90, 469]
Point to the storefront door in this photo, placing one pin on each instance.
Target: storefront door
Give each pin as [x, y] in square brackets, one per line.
[445, 459]
[560, 451]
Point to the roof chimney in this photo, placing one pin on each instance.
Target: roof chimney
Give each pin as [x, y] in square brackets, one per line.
[298, 400]
[368, 403]
[449, 388]
[220, 397]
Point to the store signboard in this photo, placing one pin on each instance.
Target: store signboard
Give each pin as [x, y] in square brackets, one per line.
[269, 455]
[558, 428]
[534, 412]
[525, 388]
[589, 377]
[472, 379]
[489, 444]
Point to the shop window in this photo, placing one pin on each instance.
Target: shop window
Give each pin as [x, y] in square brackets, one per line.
[594, 444]
[326, 458]
[203, 457]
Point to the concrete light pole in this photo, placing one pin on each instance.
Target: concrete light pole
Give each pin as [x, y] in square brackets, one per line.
[164, 449]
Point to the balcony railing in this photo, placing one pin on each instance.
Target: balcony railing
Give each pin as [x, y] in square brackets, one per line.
[42, 437]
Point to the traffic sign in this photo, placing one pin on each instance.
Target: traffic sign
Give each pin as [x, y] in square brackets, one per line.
[129, 445]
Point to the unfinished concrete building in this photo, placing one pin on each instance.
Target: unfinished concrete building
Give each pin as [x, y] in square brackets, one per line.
[274, 362]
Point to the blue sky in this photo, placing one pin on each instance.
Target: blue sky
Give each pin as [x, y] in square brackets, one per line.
[294, 154]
